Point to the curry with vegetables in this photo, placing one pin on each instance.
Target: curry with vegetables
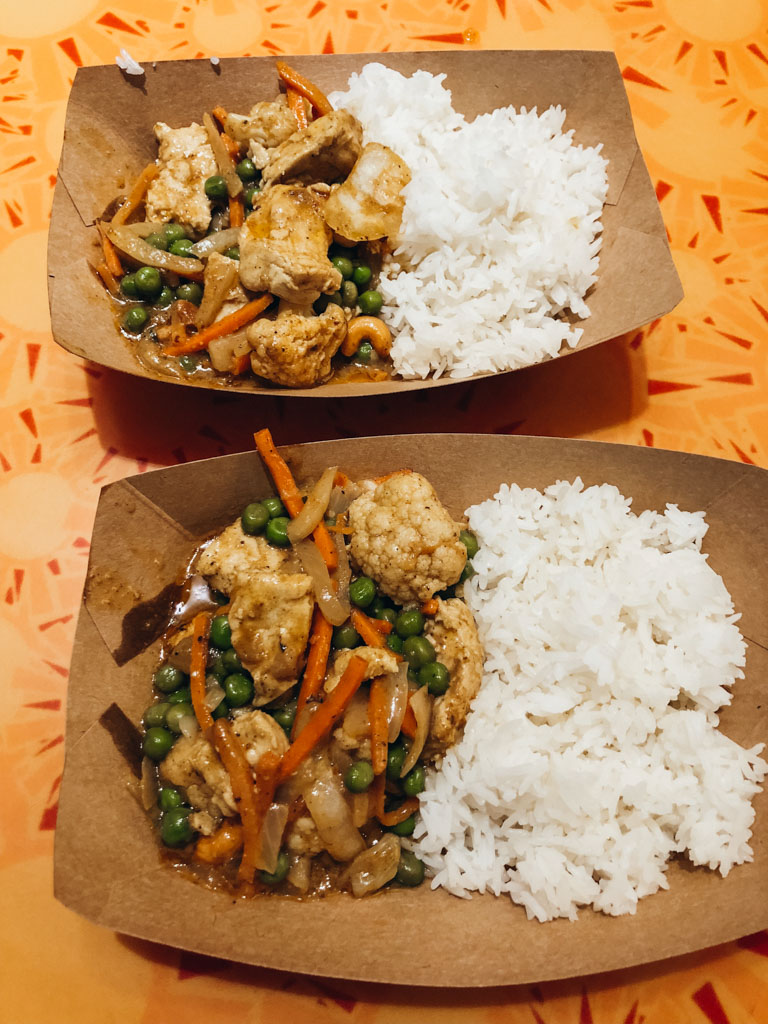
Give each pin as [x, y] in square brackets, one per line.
[251, 245]
[320, 661]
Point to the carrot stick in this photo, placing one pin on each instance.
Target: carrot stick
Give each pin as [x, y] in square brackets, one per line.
[388, 476]
[430, 607]
[109, 279]
[296, 103]
[317, 663]
[324, 718]
[221, 115]
[221, 846]
[389, 818]
[289, 493]
[252, 802]
[303, 86]
[198, 659]
[111, 258]
[240, 364]
[341, 479]
[372, 631]
[219, 328]
[409, 722]
[377, 715]
[136, 194]
[236, 213]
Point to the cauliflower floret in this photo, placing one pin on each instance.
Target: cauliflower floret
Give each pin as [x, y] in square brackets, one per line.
[303, 838]
[233, 557]
[296, 350]
[404, 539]
[454, 635]
[185, 160]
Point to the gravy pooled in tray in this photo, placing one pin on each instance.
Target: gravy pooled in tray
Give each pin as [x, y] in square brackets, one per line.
[320, 660]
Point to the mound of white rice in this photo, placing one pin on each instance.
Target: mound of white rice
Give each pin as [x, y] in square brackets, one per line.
[500, 233]
[591, 753]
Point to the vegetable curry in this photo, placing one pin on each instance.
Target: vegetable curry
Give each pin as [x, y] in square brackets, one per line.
[320, 661]
[252, 244]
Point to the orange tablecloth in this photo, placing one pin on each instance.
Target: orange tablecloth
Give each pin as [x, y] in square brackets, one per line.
[697, 76]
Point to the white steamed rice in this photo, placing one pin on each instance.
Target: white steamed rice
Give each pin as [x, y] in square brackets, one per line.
[501, 229]
[591, 753]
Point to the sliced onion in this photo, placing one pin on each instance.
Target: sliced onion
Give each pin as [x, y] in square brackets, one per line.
[214, 695]
[299, 872]
[421, 703]
[223, 350]
[145, 253]
[303, 718]
[217, 242]
[222, 157]
[314, 508]
[332, 606]
[361, 808]
[142, 228]
[343, 573]
[218, 278]
[356, 723]
[342, 497]
[196, 596]
[188, 726]
[148, 783]
[376, 866]
[271, 836]
[331, 814]
[396, 686]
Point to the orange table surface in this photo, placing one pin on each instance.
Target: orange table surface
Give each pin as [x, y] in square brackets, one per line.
[696, 72]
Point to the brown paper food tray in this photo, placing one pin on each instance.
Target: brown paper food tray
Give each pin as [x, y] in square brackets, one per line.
[107, 864]
[108, 136]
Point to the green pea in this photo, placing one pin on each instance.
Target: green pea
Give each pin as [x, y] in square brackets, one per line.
[276, 531]
[128, 286]
[413, 783]
[135, 319]
[348, 293]
[335, 299]
[418, 651]
[409, 623]
[395, 760]
[387, 614]
[469, 540]
[278, 875]
[239, 689]
[182, 696]
[155, 714]
[231, 661]
[404, 828]
[190, 291]
[362, 275]
[435, 676]
[370, 303]
[330, 520]
[216, 188]
[157, 742]
[182, 247]
[188, 362]
[362, 591]
[364, 352]
[165, 298]
[358, 778]
[410, 870]
[233, 252]
[344, 266]
[467, 572]
[221, 711]
[246, 170]
[250, 194]
[175, 715]
[215, 664]
[413, 676]
[149, 284]
[175, 829]
[168, 678]
[395, 643]
[345, 637]
[285, 715]
[168, 798]
[221, 632]
[275, 507]
[173, 232]
[157, 241]
[254, 518]
[380, 606]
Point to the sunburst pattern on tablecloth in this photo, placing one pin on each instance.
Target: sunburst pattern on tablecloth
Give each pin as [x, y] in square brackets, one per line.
[696, 72]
